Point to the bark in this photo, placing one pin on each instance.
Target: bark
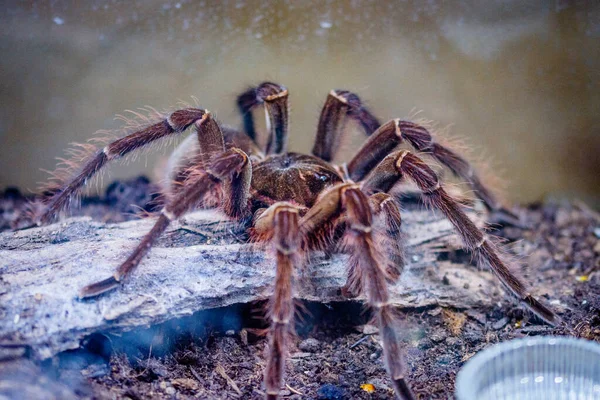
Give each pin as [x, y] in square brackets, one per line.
[201, 262]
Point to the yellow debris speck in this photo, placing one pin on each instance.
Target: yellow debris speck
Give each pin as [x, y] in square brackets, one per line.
[368, 387]
[583, 278]
[518, 324]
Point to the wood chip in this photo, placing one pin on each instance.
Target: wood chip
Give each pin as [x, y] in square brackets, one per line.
[185, 383]
[221, 371]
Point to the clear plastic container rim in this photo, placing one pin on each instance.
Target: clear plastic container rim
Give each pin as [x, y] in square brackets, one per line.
[465, 390]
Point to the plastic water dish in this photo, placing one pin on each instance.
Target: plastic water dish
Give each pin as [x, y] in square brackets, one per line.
[540, 368]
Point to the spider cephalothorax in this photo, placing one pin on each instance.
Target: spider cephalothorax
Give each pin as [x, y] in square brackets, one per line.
[299, 203]
[299, 178]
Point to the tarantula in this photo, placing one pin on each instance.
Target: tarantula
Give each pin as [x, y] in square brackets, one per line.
[299, 202]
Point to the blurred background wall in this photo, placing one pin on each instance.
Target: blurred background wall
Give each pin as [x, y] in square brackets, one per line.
[519, 80]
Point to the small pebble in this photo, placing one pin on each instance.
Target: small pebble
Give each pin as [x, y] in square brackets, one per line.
[500, 324]
[451, 341]
[230, 332]
[477, 316]
[597, 232]
[436, 311]
[310, 345]
[438, 335]
[380, 384]
[95, 370]
[170, 390]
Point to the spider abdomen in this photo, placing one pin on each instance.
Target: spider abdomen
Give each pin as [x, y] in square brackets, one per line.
[294, 177]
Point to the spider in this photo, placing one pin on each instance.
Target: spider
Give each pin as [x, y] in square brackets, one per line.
[299, 203]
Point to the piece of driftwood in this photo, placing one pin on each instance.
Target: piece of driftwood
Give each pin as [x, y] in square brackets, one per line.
[200, 263]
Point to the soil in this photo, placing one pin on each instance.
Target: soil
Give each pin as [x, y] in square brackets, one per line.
[218, 354]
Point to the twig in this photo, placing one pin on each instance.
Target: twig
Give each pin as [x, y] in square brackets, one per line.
[221, 371]
[291, 389]
[359, 341]
[147, 362]
[196, 374]
[194, 231]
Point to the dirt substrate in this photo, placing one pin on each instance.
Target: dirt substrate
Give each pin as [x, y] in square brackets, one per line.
[219, 354]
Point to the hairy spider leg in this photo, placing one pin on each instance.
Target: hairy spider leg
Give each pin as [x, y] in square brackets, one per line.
[231, 170]
[368, 262]
[386, 232]
[386, 209]
[193, 191]
[275, 99]
[394, 132]
[340, 106]
[281, 222]
[234, 169]
[368, 272]
[392, 170]
[177, 122]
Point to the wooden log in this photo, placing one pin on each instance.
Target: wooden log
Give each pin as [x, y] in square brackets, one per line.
[202, 262]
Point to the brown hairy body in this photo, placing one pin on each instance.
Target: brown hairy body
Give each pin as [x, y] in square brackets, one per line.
[297, 203]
